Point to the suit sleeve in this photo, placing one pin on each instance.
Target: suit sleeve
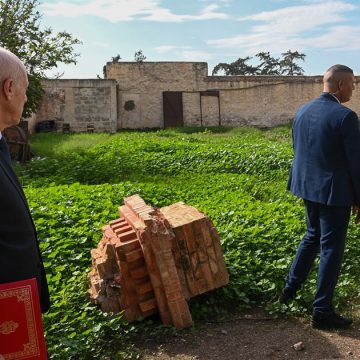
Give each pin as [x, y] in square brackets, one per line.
[350, 131]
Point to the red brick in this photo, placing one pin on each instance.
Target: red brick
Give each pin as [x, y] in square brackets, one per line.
[131, 314]
[144, 288]
[155, 278]
[148, 305]
[185, 314]
[128, 246]
[139, 273]
[129, 216]
[149, 313]
[127, 236]
[116, 222]
[133, 200]
[212, 260]
[195, 266]
[134, 255]
[108, 232]
[110, 251]
[139, 263]
[189, 238]
[206, 234]
[144, 297]
[121, 229]
[103, 268]
[169, 255]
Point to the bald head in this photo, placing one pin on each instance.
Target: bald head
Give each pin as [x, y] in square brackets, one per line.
[13, 86]
[339, 80]
[10, 66]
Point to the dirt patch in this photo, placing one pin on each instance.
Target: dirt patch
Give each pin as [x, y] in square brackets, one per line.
[255, 338]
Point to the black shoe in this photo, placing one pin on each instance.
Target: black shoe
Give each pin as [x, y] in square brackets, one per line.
[286, 296]
[330, 321]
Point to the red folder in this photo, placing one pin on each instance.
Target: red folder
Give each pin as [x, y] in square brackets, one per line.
[21, 331]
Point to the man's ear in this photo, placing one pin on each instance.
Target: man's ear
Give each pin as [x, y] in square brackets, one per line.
[8, 88]
[340, 84]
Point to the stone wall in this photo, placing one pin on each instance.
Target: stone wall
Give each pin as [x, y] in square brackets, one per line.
[79, 103]
[262, 101]
[144, 83]
[132, 96]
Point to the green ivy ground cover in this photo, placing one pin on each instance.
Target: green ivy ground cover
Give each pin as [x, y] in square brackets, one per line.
[237, 177]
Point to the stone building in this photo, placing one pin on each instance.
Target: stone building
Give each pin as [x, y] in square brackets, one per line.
[165, 94]
[81, 104]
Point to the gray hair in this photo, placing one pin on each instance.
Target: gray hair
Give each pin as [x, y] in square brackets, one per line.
[10, 66]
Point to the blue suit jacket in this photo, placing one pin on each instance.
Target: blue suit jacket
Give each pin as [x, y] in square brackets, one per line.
[20, 257]
[326, 141]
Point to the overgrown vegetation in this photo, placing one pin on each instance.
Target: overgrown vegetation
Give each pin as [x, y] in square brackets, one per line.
[237, 177]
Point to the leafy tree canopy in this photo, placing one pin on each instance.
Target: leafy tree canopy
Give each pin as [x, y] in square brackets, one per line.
[286, 65]
[238, 67]
[38, 48]
[139, 56]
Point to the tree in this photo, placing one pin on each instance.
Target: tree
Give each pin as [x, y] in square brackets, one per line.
[116, 58]
[139, 56]
[268, 65]
[238, 67]
[39, 49]
[288, 63]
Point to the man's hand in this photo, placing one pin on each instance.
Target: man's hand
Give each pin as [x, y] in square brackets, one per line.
[356, 212]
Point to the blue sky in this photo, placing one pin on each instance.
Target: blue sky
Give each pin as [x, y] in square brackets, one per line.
[328, 32]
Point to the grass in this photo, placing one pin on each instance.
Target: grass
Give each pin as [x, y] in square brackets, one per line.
[236, 176]
[53, 144]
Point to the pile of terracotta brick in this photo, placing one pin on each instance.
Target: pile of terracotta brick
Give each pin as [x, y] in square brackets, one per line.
[154, 260]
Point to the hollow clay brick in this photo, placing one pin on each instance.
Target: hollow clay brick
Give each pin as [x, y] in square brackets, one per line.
[153, 260]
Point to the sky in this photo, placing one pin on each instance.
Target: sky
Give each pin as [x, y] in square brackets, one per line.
[213, 31]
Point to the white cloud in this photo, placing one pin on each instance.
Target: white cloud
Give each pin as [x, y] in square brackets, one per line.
[195, 55]
[162, 49]
[220, 2]
[296, 19]
[341, 38]
[185, 53]
[127, 10]
[295, 27]
[165, 15]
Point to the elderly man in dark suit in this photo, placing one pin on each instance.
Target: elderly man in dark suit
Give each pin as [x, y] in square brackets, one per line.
[20, 257]
[326, 174]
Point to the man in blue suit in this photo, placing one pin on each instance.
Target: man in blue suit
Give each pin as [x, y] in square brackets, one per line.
[326, 174]
[20, 257]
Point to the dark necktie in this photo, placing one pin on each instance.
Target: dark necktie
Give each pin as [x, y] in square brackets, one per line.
[4, 150]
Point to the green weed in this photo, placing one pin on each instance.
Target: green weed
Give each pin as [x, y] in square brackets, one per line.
[236, 176]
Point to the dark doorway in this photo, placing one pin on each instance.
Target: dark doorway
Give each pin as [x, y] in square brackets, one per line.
[173, 109]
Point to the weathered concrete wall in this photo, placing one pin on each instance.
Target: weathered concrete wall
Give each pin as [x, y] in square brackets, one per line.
[79, 103]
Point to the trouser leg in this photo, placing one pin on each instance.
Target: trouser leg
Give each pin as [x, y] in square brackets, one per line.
[334, 222]
[307, 250]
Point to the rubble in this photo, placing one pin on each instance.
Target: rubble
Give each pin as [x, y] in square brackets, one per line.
[154, 260]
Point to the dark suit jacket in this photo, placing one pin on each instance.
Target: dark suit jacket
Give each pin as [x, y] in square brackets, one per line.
[326, 141]
[20, 257]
